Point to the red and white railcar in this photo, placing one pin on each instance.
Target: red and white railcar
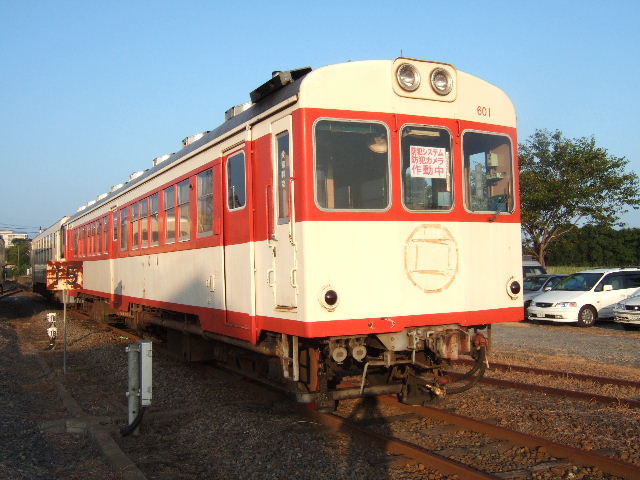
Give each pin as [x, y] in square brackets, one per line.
[361, 218]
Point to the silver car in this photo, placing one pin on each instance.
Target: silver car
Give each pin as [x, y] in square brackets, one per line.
[537, 284]
[627, 312]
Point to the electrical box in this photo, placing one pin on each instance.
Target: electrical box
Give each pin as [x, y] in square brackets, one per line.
[146, 372]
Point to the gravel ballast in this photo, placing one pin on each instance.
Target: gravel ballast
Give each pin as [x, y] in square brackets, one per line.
[205, 423]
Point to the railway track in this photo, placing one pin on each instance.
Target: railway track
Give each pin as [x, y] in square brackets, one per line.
[572, 454]
[488, 440]
[10, 290]
[504, 367]
[563, 392]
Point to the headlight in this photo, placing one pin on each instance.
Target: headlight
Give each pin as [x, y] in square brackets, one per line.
[329, 298]
[408, 77]
[441, 81]
[566, 304]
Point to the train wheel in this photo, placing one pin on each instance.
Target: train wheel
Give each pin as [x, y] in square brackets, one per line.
[587, 316]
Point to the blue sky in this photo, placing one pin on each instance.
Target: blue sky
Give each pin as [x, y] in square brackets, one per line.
[92, 91]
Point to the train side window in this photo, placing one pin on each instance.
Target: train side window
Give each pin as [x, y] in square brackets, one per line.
[184, 197]
[488, 167]
[170, 212]
[144, 223]
[105, 234]
[134, 226]
[89, 240]
[155, 222]
[99, 243]
[284, 173]
[426, 168]
[115, 227]
[351, 165]
[124, 225]
[205, 203]
[236, 184]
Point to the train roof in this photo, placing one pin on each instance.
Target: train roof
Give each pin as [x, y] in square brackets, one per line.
[280, 87]
[51, 228]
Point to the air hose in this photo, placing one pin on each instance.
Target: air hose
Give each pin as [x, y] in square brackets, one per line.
[479, 367]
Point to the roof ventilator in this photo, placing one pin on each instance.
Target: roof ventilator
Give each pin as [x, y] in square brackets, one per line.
[236, 110]
[135, 175]
[192, 138]
[161, 158]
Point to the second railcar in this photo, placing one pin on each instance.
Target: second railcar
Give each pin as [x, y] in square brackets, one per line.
[47, 246]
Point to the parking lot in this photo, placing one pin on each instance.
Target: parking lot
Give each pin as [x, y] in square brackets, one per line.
[606, 342]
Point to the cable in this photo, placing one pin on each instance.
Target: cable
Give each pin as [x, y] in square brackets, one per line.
[128, 430]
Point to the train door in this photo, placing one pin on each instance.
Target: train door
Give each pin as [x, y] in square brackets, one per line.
[238, 242]
[283, 240]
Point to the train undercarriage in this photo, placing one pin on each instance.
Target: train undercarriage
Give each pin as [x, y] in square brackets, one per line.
[413, 364]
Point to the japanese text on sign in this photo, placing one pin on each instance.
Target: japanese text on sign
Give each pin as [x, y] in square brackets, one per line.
[428, 162]
[64, 275]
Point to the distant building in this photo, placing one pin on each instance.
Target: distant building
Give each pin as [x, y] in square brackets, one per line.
[9, 236]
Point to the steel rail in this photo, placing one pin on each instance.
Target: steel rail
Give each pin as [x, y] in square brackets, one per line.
[542, 371]
[627, 402]
[395, 446]
[8, 293]
[580, 457]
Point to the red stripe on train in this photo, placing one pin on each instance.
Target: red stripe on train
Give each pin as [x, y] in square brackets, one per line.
[247, 327]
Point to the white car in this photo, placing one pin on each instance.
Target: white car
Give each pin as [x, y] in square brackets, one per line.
[586, 296]
[627, 312]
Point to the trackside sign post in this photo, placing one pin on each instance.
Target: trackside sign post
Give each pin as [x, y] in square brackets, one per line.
[64, 276]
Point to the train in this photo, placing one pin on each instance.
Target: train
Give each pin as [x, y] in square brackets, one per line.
[353, 230]
[47, 246]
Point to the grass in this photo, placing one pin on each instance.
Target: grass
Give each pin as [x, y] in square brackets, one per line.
[568, 268]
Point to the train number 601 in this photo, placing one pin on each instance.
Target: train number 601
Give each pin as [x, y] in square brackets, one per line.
[483, 111]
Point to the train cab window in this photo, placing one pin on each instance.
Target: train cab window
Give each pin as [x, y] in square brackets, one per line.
[426, 168]
[284, 173]
[488, 167]
[184, 196]
[236, 189]
[155, 221]
[351, 165]
[134, 226]
[115, 227]
[124, 226]
[205, 203]
[144, 223]
[170, 214]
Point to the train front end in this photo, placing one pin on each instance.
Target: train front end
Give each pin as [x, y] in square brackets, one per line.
[407, 226]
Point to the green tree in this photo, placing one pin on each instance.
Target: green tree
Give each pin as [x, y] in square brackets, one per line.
[18, 255]
[566, 183]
